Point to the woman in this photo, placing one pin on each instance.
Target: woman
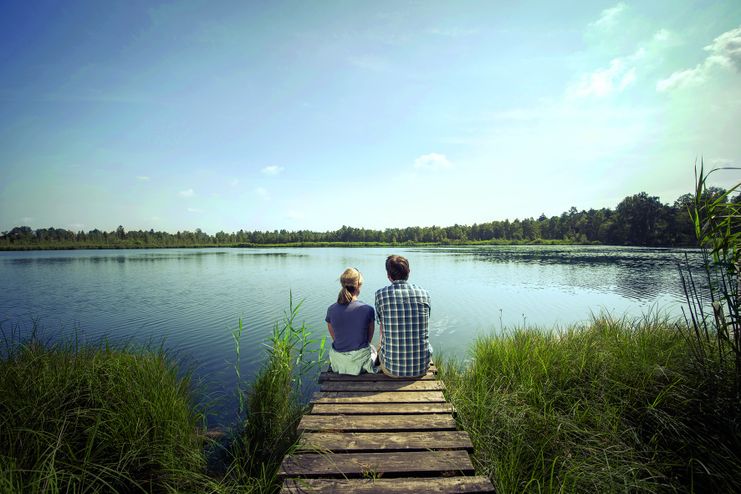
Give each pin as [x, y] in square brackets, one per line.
[351, 324]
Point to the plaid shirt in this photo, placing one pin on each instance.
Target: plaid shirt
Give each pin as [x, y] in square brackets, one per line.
[404, 311]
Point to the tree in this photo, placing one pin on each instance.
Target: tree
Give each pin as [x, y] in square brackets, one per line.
[640, 218]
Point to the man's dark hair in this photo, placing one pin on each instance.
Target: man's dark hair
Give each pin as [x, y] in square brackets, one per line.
[397, 267]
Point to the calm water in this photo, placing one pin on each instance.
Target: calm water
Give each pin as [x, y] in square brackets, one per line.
[194, 298]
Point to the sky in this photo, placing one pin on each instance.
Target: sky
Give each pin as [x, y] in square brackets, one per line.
[312, 115]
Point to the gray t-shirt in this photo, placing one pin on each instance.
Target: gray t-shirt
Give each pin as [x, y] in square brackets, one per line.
[350, 324]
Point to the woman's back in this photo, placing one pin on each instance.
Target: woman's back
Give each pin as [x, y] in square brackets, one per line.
[350, 324]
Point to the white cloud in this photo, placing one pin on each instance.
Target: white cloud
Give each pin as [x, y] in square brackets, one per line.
[195, 210]
[187, 193]
[76, 226]
[609, 17]
[682, 78]
[25, 219]
[724, 51]
[234, 182]
[603, 82]
[622, 72]
[142, 178]
[264, 194]
[272, 170]
[432, 161]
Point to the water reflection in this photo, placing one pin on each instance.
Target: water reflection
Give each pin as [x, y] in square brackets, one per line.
[635, 273]
[82, 257]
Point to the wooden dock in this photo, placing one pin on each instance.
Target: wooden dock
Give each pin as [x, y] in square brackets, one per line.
[373, 434]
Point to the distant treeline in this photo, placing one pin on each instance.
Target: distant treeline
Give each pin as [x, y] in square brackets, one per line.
[640, 220]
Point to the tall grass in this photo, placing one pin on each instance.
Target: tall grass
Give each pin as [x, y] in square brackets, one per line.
[609, 407]
[274, 404]
[81, 418]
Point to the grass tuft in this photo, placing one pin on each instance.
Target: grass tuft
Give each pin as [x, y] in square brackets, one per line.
[613, 406]
[81, 418]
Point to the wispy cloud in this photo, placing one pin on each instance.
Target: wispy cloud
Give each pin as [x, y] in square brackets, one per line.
[609, 17]
[187, 193]
[624, 71]
[262, 193]
[369, 62]
[76, 226]
[234, 182]
[432, 161]
[25, 219]
[195, 210]
[682, 78]
[272, 170]
[724, 51]
[605, 81]
[292, 214]
[142, 178]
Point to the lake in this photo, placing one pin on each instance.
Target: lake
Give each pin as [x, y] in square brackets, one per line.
[193, 298]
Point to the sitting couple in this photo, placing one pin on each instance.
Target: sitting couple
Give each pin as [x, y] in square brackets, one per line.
[403, 313]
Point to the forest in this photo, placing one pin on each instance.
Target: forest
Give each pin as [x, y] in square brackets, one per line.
[638, 220]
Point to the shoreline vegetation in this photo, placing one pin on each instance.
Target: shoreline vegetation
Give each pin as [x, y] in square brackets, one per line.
[461, 243]
[613, 405]
[638, 220]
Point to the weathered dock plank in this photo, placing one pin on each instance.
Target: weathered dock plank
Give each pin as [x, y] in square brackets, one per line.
[379, 408]
[384, 441]
[376, 434]
[442, 485]
[389, 423]
[382, 386]
[379, 397]
[457, 462]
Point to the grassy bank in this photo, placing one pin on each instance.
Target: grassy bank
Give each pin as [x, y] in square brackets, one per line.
[616, 406]
[77, 418]
[104, 418]
[613, 406]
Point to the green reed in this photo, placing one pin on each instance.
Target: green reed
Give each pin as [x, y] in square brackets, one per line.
[714, 300]
[613, 406]
[274, 404]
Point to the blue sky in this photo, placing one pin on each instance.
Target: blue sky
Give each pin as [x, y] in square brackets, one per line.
[312, 115]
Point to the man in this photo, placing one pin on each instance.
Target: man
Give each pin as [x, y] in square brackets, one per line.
[403, 314]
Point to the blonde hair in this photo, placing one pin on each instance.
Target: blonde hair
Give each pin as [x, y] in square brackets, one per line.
[350, 279]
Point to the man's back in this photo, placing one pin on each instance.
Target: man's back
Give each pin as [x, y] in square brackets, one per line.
[403, 310]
